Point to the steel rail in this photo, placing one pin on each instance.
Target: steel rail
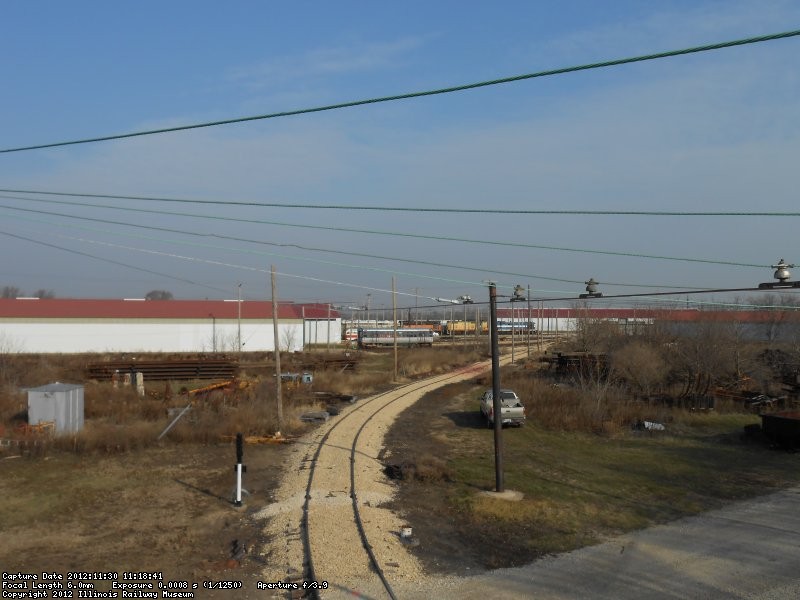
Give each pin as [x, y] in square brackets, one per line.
[310, 570]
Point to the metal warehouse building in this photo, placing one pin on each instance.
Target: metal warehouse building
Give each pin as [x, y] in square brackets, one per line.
[82, 325]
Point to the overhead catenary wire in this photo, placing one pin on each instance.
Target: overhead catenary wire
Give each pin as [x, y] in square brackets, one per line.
[383, 233]
[189, 258]
[271, 254]
[416, 209]
[419, 94]
[654, 296]
[108, 260]
[347, 253]
[430, 277]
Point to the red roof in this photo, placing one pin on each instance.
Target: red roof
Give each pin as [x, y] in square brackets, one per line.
[58, 308]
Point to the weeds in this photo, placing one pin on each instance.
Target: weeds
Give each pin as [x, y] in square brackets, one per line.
[424, 468]
[118, 420]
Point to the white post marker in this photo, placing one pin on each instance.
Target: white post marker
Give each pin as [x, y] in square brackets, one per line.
[240, 468]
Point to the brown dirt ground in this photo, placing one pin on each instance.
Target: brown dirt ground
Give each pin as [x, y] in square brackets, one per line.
[170, 509]
[166, 509]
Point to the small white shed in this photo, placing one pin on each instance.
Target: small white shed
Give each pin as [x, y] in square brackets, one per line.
[60, 403]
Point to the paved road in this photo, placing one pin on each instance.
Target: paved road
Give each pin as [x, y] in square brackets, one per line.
[750, 550]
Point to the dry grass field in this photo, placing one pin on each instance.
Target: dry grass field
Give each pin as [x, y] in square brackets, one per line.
[115, 498]
[585, 471]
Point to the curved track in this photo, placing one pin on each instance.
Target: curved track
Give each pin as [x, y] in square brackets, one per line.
[344, 542]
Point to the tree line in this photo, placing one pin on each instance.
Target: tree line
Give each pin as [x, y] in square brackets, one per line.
[12, 291]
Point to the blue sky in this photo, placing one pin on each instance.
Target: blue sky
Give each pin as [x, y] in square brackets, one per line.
[716, 131]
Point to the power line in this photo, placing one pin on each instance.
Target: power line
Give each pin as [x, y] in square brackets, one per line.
[651, 296]
[479, 211]
[263, 253]
[410, 95]
[372, 232]
[654, 296]
[178, 256]
[329, 251]
[670, 302]
[108, 260]
[228, 265]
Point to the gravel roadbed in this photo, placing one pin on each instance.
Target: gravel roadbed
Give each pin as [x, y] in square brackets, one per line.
[338, 554]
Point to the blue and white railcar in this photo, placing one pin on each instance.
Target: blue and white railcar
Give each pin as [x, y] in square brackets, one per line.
[372, 338]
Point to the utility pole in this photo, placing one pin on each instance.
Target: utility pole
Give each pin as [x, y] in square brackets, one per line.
[496, 404]
[464, 332]
[239, 316]
[512, 333]
[213, 332]
[278, 394]
[477, 326]
[464, 299]
[517, 297]
[529, 321]
[394, 325]
[328, 344]
[539, 325]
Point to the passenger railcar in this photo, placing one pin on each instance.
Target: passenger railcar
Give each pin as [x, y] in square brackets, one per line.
[519, 327]
[371, 338]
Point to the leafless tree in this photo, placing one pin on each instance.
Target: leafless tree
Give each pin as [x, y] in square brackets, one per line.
[783, 315]
[288, 339]
[158, 295]
[8, 347]
[43, 293]
[10, 291]
[641, 365]
[705, 357]
[593, 334]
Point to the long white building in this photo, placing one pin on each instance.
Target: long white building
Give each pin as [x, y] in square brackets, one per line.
[83, 325]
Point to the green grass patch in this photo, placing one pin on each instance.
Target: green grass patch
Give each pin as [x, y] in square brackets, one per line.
[580, 488]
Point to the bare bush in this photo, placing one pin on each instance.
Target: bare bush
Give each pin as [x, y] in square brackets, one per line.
[641, 366]
[593, 334]
[424, 468]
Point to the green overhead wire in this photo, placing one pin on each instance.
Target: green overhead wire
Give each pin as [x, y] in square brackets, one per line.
[651, 298]
[658, 297]
[408, 96]
[242, 250]
[108, 260]
[382, 233]
[249, 268]
[479, 211]
[325, 250]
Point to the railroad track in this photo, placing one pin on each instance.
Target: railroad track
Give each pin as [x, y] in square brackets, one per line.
[346, 544]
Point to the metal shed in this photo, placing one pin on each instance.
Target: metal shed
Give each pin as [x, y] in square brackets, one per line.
[59, 403]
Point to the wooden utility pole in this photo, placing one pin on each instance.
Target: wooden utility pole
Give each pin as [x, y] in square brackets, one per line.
[278, 394]
[496, 404]
[394, 325]
[239, 317]
[529, 322]
[328, 343]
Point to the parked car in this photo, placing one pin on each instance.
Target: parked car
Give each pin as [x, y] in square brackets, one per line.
[512, 410]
